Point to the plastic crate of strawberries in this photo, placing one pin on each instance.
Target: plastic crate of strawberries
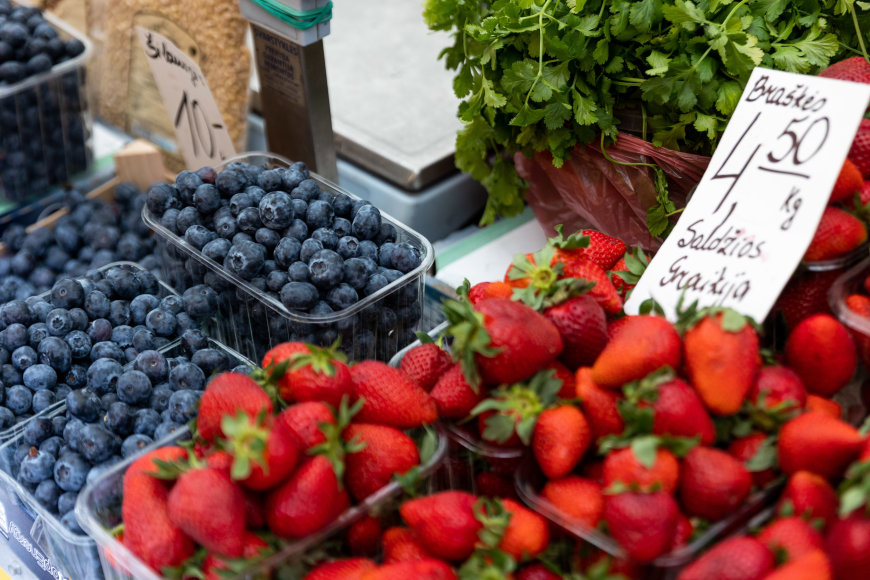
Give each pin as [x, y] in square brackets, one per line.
[290, 454]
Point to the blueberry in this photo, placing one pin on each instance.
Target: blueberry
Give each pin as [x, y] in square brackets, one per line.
[366, 224]
[342, 206]
[42, 400]
[187, 218]
[309, 248]
[206, 174]
[153, 365]
[39, 376]
[145, 421]
[7, 418]
[79, 318]
[107, 349]
[356, 273]
[348, 247]
[342, 296]
[226, 228]
[386, 234]
[97, 443]
[271, 179]
[134, 444]
[326, 269]
[71, 471]
[231, 181]
[134, 387]
[170, 220]
[217, 249]
[307, 190]
[14, 34]
[246, 259]
[268, 238]
[211, 361]
[320, 214]
[10, 375]
[55, 353]
[248, 220]
[302, 168]
[143, 339]
[275, 280]
[186, 183]
[256, 192]
[241, 237]
[356, 205]
[187, 375]
[52, 443]
[276, 210]
[84, 404]
[183, 405]
[148, 282]
[184, 322]
[58, 423]
[40, 309]
[103, 375]
[206, 199]
[72, 432]
[160, 397]
[299, 295]
[119, 312]
[171, 303]
[140, 306]
[119, 418]
[198, 236]
[300, 208]
[23, 357]
[287, 252]
[68, 520]
[406, 257]
[166, 429]
[47, 493]
[161, 197]
[386, 253]
[17, 312]
[161, 322]
[99, 330]
[35, 467]
[61, 391]
[108, 400]
[66, 502]
[239, 202]
[123, 336]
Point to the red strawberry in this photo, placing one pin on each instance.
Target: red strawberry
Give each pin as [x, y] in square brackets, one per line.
[583, 326]
[823, 405]
[580, 500]
[210, 508]
[810, 496]
[506, 341]
[806, 295]
[264, 452]
[602, 249]
[859, 153]
[566, 375]
[838, 233]
[813, 565]
[642, 523]
[454, 398]
[483, 290]
[400, 545]
[304, 421]
[678, 411]
[346, 569]
[818, 443]
[253, 549]
[491, 484]
[738, 558]
[821, 351]
[444, 523]
[386, 452]
[778, 387]
[418, 569]
[849, 182]
[643, 344]
[659, 472]
[226, 395]
[537, 571]
[860, 305]
[308, 372]
[855, 69]
[391, 397]
[793, 536]
[526, 535]
[683, 532]
[425, 364]
[600, 406]
[560, 438]
[863, 198]
[364, 536]
[848, 545]
[603, 292]
[721, 357]
[712, 483]
[305, 502]
[744, 449]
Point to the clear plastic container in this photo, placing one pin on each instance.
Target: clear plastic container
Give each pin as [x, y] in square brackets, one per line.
[75, 555]
[98, 510]
[45, 125]
[253, 321]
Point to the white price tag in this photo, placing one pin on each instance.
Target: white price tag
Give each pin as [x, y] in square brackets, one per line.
[757, 207]
[199, 126]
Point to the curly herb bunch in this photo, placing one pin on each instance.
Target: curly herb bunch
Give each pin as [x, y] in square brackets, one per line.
[545, 75]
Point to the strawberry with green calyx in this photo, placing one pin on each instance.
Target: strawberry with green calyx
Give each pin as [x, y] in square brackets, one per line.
[483, 290]
[264, 451]
[335, 447]
[227, 394]
[311, 373]
[454, 397]
[757, 451]
[560, 438]
[645, 466]
[426, 362]
[591, 245]
[500, 341]
[642, 523]
[380, 452]
[838, 233]
[809, 496]
[254, 550]
[444, 523]
[626, 273]
[582, 324]
[538, 280]
[511, 528]
[509, 416]
[305, 421]
[721, 353]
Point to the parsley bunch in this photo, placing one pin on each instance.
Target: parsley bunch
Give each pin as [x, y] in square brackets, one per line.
[545, 75]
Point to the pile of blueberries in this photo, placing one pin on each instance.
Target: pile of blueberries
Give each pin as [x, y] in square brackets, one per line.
[94, 233]
[122, 410]
[42, 128]
[316, 252]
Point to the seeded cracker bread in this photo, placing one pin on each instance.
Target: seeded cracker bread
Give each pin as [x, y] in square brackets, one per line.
[212, 32]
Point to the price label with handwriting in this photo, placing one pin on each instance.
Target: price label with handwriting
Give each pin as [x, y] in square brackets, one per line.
[757, 207]
[199, 126]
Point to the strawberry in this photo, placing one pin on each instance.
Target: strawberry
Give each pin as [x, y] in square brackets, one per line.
[806, 295]
[264, 453]
[454, 397]
[580, 500]
[642, 523]
[444, 523]
[255, 517]
[600, 248]
[386, 451]
[364, 536]
[391, 397]
[849, 182]
[778, 388]
[823, 405]
[658, 471]
[537, 571]
[738, 558]
[848, 545]
[526, 535]
[502, 340]
[568, 390]
[227, 394]
[818, 443]
[721, 357]
[821, 351]
[418, 569]
[813, 565]
[346, 569]
[603, 291]
[216, 519]
[859, 203]
[304, 421]
[677, 410]
[792, 536]
[859, 152]
[860, 305]
[426, 363]
[855, 69]
[254, 548]
[491, 484]
[483, 290]
[744, 449]
[305, 502]
[712, 483]
[304, 372]
[643, 344]
[682, 533]
[400, 545]
[583, 326]
[559, 439]
[838, 233]
[600, 406]
[808, 495]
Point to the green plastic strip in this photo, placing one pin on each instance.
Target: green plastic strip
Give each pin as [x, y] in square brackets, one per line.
[299, 19]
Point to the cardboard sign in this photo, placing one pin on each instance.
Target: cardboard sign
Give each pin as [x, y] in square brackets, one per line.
[199, 126]
[757, 207]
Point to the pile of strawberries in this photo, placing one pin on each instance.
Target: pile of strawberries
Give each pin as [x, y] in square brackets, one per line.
[282, 466]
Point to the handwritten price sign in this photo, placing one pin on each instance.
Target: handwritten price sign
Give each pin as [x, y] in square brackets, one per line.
[199, 126]
[755, 210]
